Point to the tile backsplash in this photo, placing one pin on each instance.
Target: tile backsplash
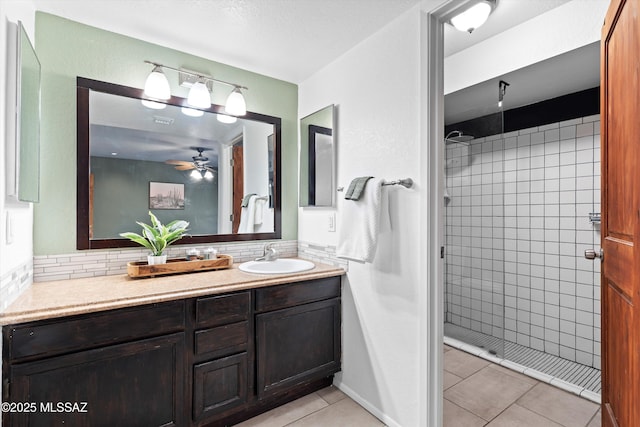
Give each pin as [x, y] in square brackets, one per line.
[517, 225]
[14, 282]
[114, 261]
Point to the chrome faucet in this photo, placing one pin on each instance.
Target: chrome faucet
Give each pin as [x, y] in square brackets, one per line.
[269, 254]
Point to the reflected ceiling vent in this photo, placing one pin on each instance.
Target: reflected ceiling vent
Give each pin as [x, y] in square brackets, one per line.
[168, 121]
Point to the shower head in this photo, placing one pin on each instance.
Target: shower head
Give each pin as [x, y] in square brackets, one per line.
[457, 137]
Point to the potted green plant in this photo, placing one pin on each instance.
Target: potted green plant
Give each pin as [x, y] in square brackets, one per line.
[157, 237]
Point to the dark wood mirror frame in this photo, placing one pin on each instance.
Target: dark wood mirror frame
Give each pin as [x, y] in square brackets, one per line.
[83, 240]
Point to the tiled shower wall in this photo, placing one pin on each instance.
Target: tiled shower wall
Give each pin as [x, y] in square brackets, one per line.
[517, 226]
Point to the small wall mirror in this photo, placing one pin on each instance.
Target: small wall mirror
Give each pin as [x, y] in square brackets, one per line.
[23, 157]
[317, 159]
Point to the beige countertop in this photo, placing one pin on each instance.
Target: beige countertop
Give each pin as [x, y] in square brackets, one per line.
[44, 300]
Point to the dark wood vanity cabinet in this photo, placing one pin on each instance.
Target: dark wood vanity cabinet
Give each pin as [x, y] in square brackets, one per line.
[222, 348]
[123, 367]
[297, 334]
[206, 361]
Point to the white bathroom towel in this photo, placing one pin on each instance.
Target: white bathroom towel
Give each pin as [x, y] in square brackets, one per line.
[247, 216]
[360, 224]
[261, 203]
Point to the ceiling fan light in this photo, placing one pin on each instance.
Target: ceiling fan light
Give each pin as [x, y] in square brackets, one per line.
[208, 175]
[157, 85]
[199, 96]
[473, 17]
[195, 175]
[191, 112]
[236, 105]
[153, 104]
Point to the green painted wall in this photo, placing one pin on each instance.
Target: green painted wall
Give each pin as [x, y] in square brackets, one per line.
[67, 49]
[121, 197]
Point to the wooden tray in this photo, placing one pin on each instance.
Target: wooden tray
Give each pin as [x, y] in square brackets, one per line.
[139, 269]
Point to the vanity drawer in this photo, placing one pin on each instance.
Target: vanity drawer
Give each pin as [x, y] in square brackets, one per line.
[222, 340]
[282, 296]
[70, 334]
[223, 309]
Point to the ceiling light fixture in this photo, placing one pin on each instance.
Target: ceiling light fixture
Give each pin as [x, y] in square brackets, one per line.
[199, 95]
[195, 174]
[473, 17]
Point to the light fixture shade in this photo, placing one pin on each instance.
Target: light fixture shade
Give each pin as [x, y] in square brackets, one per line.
[153, 104]
[157, 85]
[199, 96]
[208, 175]
[236, 104]
[473, 17]
[191, 112]
[223, 118]
[195, 174]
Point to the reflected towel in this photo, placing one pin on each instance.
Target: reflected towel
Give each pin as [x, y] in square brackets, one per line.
[247, 215]
[360, 224]
[245, 199]
[261, 204]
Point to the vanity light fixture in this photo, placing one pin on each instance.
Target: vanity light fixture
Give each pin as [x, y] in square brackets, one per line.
[157, 85]
[236, 104]
[192, 112]
[199, 96]
[223, 118]
[473, 17]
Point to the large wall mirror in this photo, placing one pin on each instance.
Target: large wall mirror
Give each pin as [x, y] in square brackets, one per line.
[23, 157]
[317, 159]
[220, 173]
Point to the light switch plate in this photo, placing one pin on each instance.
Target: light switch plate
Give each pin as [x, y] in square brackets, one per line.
[331, 222]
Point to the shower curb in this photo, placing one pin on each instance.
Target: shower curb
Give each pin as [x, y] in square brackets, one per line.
[533, 373]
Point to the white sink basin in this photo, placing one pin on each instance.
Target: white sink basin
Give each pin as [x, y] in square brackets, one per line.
[279, 266]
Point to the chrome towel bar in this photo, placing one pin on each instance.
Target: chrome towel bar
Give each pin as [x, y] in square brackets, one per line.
[406, 182]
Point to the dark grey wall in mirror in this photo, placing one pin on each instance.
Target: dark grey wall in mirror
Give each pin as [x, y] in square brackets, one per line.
[23, 145]
[318, 159]
[132, 159]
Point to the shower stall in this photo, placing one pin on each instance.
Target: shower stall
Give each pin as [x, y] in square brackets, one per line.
[521, 207]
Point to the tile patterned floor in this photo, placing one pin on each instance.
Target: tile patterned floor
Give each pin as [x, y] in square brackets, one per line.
[480, 393]
[324, 408]
[476, 393]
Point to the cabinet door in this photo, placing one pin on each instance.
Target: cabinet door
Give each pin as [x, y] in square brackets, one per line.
[297, 344]
[135, 384]
[219, 385]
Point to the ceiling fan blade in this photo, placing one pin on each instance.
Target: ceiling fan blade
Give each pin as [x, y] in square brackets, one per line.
[185, 167]
[177, 162]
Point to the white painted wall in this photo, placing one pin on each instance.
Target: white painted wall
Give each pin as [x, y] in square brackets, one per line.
[375, 87]
[574, 24]
[19, 215]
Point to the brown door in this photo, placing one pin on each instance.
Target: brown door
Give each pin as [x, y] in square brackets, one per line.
[238, 184]
[620, 114]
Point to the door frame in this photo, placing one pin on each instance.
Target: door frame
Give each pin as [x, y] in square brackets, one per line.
[432, 204]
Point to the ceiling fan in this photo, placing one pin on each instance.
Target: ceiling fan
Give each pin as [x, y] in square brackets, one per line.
[199, 165]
